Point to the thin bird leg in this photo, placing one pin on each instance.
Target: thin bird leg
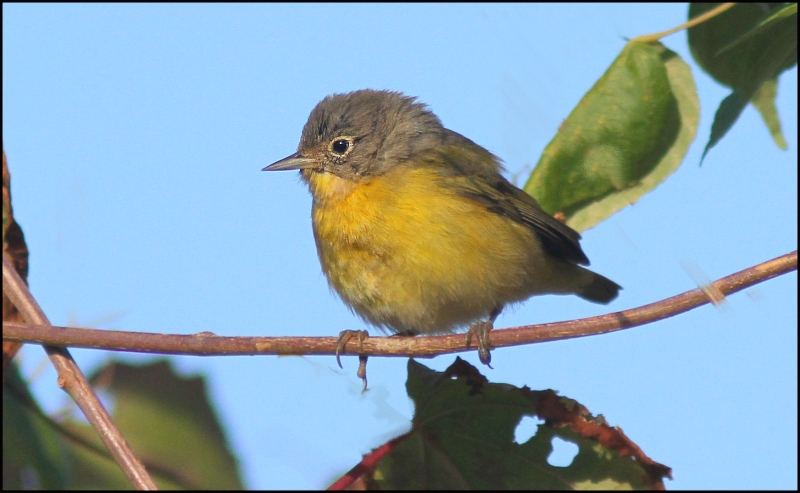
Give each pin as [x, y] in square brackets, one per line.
[481, 331]
[362, 370]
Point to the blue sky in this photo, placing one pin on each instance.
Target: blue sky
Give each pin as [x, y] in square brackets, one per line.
[135, 136]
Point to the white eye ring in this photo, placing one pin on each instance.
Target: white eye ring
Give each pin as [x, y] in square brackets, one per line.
[341, 145]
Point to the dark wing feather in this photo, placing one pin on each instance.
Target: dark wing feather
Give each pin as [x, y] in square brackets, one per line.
[479, 179]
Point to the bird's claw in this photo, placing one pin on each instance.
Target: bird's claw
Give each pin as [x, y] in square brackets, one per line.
[481, 331]
[344, 338]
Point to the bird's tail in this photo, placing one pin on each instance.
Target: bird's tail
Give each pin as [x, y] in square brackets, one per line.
[600, 289]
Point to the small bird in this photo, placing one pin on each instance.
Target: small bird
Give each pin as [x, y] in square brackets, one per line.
[417, 230]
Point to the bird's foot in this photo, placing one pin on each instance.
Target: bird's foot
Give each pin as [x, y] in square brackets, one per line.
[481, 331]
[344, 337]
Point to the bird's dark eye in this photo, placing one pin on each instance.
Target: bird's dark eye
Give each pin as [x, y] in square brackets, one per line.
[340, 146]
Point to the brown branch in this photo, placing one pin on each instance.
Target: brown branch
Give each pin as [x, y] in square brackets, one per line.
[208, 344]
[649, 38]
[14, 246]
[72, 380]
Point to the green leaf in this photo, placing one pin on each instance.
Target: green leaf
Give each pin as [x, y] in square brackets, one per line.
[626, 135]
[170, 424]
[738, 50]
[745, 48]
[728, 112]
[788, 12]
[764, 102]
[463, 437]
[34, 454]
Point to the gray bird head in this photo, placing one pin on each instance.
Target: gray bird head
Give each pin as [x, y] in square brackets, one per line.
[364, 133]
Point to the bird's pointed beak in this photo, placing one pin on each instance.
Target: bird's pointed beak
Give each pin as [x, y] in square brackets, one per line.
[295, 161]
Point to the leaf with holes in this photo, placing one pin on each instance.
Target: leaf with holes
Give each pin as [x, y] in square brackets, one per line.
[462, 437]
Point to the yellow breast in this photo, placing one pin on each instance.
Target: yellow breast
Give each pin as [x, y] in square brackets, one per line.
[407, 253]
